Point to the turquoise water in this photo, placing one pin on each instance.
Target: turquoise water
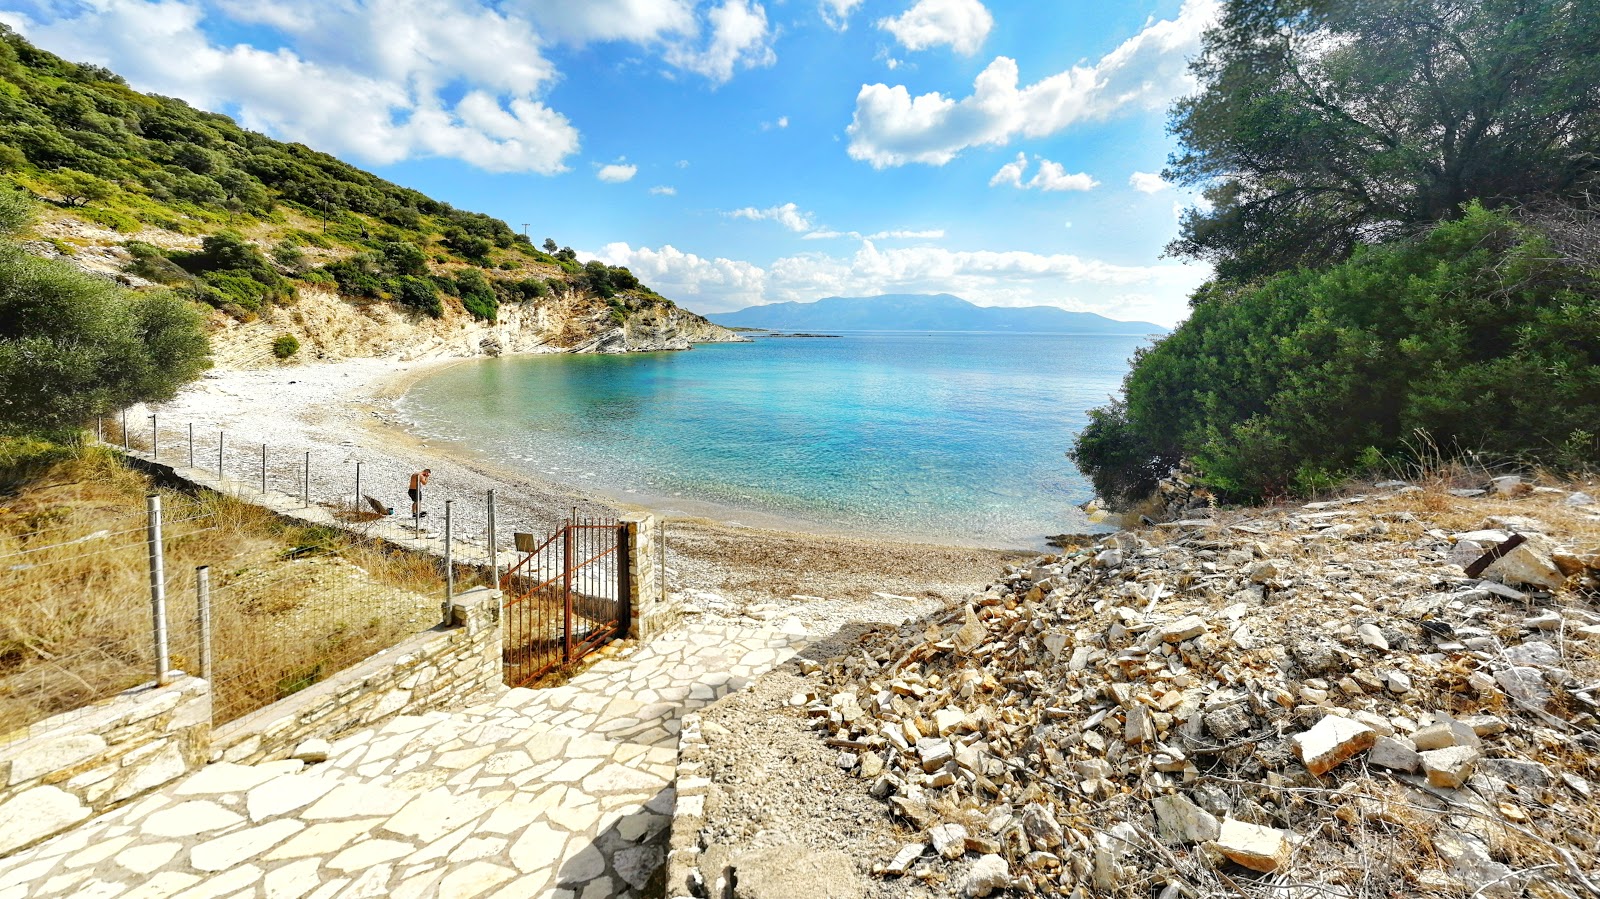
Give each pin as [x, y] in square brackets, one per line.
[953, 437]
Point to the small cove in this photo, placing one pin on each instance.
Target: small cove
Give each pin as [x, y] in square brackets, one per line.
[948, 437]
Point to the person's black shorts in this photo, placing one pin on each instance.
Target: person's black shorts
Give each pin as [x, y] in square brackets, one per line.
[412, 492]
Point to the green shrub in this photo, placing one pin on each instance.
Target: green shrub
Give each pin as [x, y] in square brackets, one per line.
[1476, 333]
[420, 294]
[477, 295]
[285, 346]
[111, 218]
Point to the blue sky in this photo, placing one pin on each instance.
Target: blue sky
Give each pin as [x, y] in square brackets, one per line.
[731, 152]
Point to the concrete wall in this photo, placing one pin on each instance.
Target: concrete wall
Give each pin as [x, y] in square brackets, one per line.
[436, 669]
[649, 613]
[84, 762]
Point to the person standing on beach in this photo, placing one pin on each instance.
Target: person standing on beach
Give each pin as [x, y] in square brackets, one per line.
[418, 481]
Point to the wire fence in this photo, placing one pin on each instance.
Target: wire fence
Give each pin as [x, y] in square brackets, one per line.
[80, 623]
[355, 492]
[209, 586]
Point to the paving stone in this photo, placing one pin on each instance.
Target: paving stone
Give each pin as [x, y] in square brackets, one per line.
[190, 818]
[351, 800]
[37, 813]
[537, 849]
[224, 852]
[434, 814]
[292, 881]
[285, 794]
[229, 778]
[323, 839]
[365, 855]
[473, 879]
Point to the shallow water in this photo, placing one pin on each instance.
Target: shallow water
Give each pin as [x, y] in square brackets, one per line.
[950, 437]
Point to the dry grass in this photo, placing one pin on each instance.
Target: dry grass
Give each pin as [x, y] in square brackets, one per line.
[291, 604]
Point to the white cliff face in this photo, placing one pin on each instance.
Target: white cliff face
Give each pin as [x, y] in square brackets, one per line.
[330, 327]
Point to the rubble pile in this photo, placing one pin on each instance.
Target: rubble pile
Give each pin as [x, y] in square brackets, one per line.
[1287, 702]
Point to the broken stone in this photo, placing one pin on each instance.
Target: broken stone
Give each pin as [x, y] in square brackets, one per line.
[1396, 753]
[949, 840]
[934, 753]
[1526, 685]
[1369, 634]
[1332, 742]
[1180, 821]
[1449, 767]
[988, 874]
[1258, 848]
[1527, 566]
[1185, 628]
[904, 859]
[1041, 827]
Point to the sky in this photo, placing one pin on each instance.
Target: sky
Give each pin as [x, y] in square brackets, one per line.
[729, 152]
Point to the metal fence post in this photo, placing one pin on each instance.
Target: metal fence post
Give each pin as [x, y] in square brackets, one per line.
[305, 490]
[357, 505]
[191, 444]
[202, 591]
[155, 435]
[219, 460]
[158, 587]
[566, 590]
[449, 568]
[263, 468]
[494, 553]
[99, 429]
[125, 445]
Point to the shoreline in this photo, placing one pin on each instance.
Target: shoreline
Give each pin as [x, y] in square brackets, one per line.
[343, 412]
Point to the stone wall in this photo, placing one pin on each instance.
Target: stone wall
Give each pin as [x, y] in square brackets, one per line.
[684, 877]
[440, 668]
[649, 613]
[83, 762]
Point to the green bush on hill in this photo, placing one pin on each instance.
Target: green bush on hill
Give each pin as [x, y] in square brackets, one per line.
[1476, 333]
[73, 345]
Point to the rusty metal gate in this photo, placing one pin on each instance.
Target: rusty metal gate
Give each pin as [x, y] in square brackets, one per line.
[565, 598]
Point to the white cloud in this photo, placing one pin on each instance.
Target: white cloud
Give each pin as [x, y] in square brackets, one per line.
[616, 173]
[1052, 176]
[371, 91]
[893, 128]
[783, 122]
[837, 12]
[738, 38]
[826, 234]
[1147, 182]
[787, 215]
[780, 124]
[993, 278]
[664, 191]
[720, 283]
[381, 81]
[963, 24]
[1011, 173]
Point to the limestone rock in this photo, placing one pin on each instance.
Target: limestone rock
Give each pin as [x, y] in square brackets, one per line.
[1396, 753]
[1258, 848]
[1332, 742]
[1179, 820]
[988, 874]
[1526, 566]
[949, 840]
[1449, 767]
[1041, 827]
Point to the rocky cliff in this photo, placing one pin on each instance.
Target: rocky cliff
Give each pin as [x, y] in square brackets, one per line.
[329, 326]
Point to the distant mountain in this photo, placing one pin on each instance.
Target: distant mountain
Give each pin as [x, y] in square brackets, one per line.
[924, 312]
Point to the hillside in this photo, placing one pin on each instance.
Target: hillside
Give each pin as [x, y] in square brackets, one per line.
[276, 237]
[925, 312]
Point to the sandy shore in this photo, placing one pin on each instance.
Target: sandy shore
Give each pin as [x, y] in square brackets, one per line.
[343, 413]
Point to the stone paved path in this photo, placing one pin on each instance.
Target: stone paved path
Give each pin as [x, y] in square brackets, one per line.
[566, 792]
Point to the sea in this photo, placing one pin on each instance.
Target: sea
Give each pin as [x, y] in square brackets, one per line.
[943, 437]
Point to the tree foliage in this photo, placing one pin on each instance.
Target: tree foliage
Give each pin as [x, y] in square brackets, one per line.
[1478, 333]
[73, 345]
[1321, 126]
